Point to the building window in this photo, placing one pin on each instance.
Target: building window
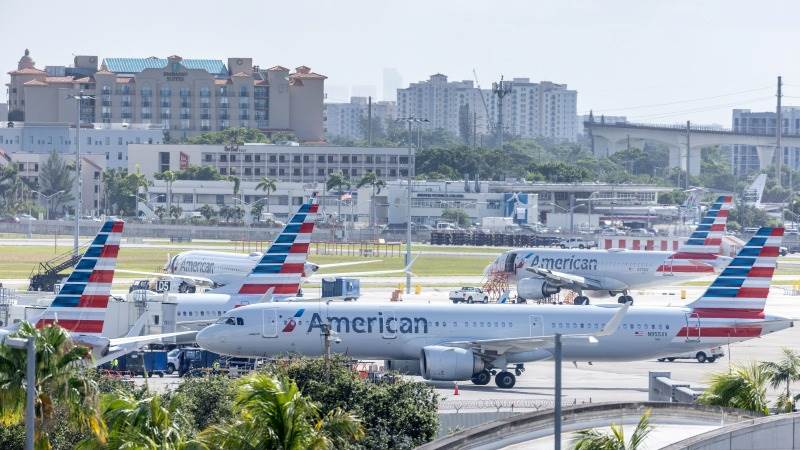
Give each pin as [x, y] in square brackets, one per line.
[163, 159]
[296, 158]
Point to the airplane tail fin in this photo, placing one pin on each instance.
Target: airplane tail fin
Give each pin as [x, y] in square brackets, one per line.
[706, 240]
[282, 266]
[80, 306]
[753, 193]
[744, 284]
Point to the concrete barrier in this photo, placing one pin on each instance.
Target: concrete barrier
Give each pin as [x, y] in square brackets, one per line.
[529, 426]
[781, 432]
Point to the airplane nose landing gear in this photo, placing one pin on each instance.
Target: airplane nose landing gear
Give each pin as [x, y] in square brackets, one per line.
[519, 369]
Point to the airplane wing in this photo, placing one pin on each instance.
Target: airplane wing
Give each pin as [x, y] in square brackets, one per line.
[349, 263]
[145, 339]
[566, 280]
[404, 270]
[494, 347]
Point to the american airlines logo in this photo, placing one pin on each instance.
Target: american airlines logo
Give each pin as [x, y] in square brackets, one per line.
[566, 263]
[197, 266]
[371, 324]
[291, 323]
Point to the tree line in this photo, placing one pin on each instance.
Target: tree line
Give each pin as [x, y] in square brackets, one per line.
[288, 404]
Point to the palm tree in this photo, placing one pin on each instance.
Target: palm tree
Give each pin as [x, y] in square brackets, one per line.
[175, 212]
[58, 383]
[338, 180]
[377, 184]
[160, 211]
[784, 372]
[207, 211]
[170, 177]
[146, 424]
[273, 414]
[595, 440]
[236, 183]
[745, 387]
[268, 185]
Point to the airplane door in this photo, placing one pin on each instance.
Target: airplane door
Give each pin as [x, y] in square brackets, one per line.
[692, 327]
[537, 327]
[269, 325]
[390, 325]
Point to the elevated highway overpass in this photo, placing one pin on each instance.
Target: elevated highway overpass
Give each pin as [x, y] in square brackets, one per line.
[611, 137]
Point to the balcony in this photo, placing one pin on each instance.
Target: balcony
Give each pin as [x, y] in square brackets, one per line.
[165, 104]
[186, 104]
[205, 105]
[106, 103]
[126, 104]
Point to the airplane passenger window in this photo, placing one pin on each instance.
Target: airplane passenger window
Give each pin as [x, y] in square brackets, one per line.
[475, 324]
[581, 325]
[652, 327]
[436, 324]
[201, 313]
[239, 321]
[495, 324]
[666, 326]
[444, 324]
[466, 324]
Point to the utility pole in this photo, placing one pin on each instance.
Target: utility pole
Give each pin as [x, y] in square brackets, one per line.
[557, 397]
[778, 135]
[474, 129]
[410, 178]
[500, 89]
[688, 148]
[369, 121]
[79, 195]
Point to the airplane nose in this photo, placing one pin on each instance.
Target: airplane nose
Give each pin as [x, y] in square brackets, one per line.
[205, 337]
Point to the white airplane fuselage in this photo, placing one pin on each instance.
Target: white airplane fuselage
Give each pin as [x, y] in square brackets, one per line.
[617, 268]
[220, 267]
[377, 331]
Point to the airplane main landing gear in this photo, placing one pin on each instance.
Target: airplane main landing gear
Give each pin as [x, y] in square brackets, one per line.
[581, 300]
[482, 378]
[622, 299]
[505, 380]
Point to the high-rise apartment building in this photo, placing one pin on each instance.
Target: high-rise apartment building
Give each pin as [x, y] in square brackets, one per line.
[187, 96]
[348, 120]
[530, 109]
[745, 158]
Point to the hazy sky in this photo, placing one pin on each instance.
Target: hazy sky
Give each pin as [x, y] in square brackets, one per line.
[619, 55]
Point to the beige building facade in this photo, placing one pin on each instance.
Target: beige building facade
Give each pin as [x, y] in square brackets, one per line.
[186, 96]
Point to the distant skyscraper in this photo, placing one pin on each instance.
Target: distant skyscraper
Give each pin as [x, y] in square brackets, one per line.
[364, 90]
[392, 81]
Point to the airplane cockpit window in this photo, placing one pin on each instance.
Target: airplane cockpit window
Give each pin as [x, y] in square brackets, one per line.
[239, 321]
[226, 320]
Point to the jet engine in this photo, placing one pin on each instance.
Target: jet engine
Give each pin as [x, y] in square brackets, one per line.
[448, 363]
[535, 288]
[404, 366]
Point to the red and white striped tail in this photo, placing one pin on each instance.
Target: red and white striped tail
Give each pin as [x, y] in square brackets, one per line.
[80, 306]
[741, 290]
[705, 242]
[282, 266]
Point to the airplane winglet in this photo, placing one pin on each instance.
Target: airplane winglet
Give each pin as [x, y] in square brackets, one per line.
[616, 320]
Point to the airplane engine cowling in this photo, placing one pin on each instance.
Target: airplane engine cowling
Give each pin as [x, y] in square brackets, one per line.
[448, 363]
[403, 366]
[536, 288]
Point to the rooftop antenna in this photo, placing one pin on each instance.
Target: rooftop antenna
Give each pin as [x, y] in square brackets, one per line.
[500, 90]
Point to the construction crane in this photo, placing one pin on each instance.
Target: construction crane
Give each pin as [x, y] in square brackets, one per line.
[483, 99]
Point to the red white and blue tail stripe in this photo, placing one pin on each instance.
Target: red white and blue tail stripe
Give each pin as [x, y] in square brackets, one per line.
[706, 240]
[80, 305]
[742, 288]
[282, 267]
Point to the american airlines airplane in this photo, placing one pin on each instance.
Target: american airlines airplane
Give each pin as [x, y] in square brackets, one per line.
[542, 272]
[447, 342]
[81, 305]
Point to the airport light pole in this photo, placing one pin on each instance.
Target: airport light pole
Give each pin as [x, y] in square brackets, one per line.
[79, 195]
[419, 121]
[29, 345]
[557, 394]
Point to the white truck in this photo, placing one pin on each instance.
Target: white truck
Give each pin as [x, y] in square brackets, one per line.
[469, 295]
[577, 243]
[498, 224]
[710, 355]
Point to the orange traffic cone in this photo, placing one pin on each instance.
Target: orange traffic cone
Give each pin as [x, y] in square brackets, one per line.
[455, 390]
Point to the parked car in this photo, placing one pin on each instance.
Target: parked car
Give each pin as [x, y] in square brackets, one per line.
[710, 355]
[641, 232]
[577, 243]
[172, 361]
[783, 251]
[469, 295]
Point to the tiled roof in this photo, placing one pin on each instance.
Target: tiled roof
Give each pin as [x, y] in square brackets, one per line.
[34, 83]
[279, 68]
[26, 71]
[307, 76]
[69, 80]
[136, 65]
[241, 75]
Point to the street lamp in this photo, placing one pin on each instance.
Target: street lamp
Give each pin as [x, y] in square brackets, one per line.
[29, 345]
[571, 211]
[419, 121]
[79, 98]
